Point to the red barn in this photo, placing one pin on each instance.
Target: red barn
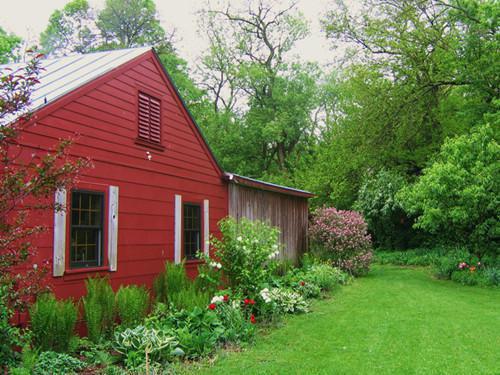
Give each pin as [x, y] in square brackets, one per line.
[156, 191]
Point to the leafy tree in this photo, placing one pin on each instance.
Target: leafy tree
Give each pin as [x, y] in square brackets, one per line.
[264, 103]
[8, 43]
[387, 222]
[71, 29]
[27, 185]
[130, 23]
[410, 84]
[457, 197]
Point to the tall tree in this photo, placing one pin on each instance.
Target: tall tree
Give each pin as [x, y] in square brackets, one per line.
[267, 99]
[71, 29]
[131, 23]
[8, 44]
[411, 84]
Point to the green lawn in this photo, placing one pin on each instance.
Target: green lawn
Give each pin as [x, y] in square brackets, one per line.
[394, 321]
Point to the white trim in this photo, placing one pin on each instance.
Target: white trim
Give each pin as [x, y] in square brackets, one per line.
[206, 227]
[113, 199]
[59, 256]
[178, 229]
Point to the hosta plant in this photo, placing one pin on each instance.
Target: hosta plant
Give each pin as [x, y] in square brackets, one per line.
[285, 300]
[144, 344]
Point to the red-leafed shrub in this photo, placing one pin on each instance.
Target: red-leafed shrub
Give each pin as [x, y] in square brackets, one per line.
[342, 237]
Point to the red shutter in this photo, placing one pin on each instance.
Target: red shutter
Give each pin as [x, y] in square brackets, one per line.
[149, 118]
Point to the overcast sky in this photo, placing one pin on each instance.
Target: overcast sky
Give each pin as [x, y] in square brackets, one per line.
[27, 18]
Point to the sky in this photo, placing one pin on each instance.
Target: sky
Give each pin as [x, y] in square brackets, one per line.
[27, 18]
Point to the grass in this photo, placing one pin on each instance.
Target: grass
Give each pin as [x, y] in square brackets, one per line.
[393, 321]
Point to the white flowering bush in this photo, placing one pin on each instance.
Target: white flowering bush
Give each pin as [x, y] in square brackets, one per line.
[284, 301]
[247, 253]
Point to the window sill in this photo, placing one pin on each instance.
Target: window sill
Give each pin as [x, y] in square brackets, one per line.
[193, 262]
[82, 273]
[144, 143]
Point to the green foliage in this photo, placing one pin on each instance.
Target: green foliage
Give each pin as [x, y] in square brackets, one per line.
[237, 327]
[52, 363]
[198, 331]
[70, 30]
[141, 342]
[130, 23]
[189, 298]
[8, 44]
[132, 303]
[261, 104]
[285, 300]
[247, 252]
[173, 287]
[99, 308]
[387, 222]
[9, 336]
[456, 198]
[53, 323]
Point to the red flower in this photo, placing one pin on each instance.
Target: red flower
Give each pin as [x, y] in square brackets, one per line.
[252, 319]
[302, 283]
[246, 301]
[212, 306]
[226, 298]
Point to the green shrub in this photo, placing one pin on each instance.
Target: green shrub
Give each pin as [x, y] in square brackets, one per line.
[198, 332]
[132, 303]
[247, 253]
[490, 276]
[456, 198]
[171, 280]
[209, 277]
[386, 219]
[52, 323]
[52, 363]
[9, 336]
[237, 328]
[189, 298]
[99, 308]
[174, 288]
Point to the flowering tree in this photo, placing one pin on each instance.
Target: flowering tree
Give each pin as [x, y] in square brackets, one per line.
[26, 184]
[342, 237]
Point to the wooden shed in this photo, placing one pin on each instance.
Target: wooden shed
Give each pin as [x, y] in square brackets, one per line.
[280, 206]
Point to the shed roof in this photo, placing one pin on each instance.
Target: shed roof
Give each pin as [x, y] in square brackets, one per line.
[59, 76]
[262, 185]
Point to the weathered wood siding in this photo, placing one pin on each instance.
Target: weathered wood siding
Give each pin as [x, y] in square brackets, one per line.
[288, 213]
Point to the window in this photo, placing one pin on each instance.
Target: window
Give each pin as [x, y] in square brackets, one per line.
[192, 230]
[87, 210]
[149, 118]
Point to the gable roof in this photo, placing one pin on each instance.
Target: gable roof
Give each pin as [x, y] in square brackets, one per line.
[60, 76]
[63, 75]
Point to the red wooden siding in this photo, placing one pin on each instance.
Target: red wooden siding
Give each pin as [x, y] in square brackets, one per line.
[103, 118]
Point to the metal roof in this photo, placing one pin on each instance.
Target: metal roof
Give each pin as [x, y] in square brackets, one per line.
[60, 76]
[258, 184]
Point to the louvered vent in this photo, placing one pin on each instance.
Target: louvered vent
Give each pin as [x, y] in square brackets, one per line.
[149, 118]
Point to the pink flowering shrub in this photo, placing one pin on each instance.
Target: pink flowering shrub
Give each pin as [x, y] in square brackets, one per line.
[342, 237]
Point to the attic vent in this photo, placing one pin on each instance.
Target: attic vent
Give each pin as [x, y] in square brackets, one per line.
[149, 118]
